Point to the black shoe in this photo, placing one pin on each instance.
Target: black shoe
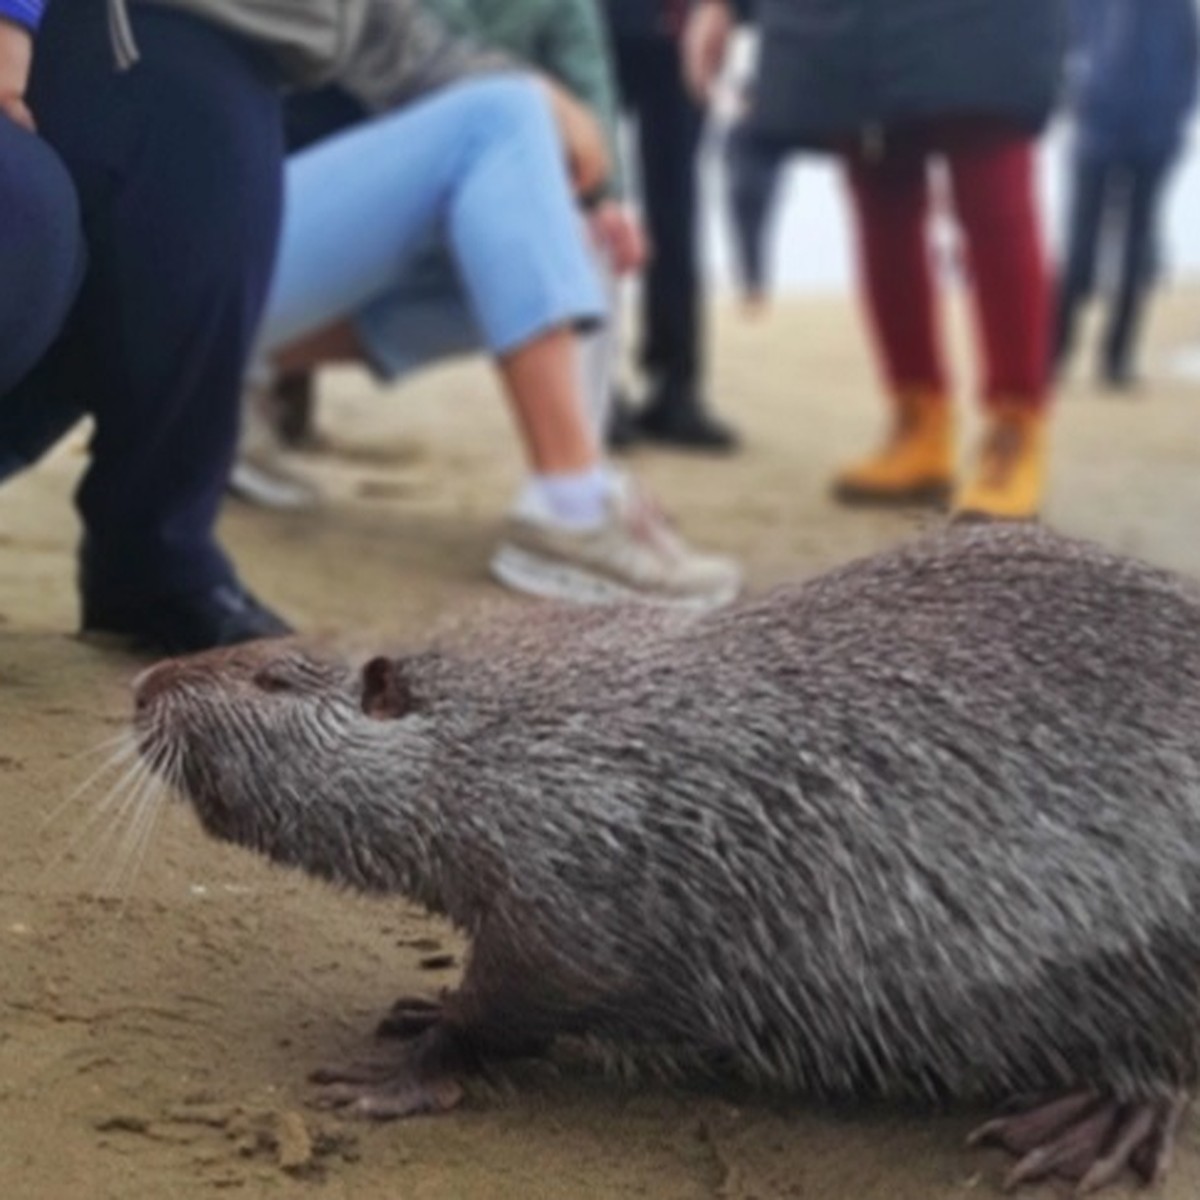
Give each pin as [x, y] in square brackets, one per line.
[679, 419]
[1119, 377]
[223, 615]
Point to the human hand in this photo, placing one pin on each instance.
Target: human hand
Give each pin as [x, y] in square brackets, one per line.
[706, 39]
[618, 231]
[584, 141]
[16, 53]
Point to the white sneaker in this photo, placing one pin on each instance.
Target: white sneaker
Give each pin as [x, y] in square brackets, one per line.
[634, 555]
[272, 486]
[259, 475]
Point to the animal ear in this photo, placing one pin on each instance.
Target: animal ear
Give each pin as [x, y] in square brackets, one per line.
[385, 692]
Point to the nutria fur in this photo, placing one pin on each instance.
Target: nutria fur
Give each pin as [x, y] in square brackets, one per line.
[924, 828]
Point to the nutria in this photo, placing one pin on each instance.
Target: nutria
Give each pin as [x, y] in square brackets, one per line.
[926, 828]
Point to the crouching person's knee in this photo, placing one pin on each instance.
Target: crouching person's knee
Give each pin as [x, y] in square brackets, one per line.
[42, 254]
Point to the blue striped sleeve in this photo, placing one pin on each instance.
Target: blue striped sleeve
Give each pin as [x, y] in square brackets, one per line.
[23, 12]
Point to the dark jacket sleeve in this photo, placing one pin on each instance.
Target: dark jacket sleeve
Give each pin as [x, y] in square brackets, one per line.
[23, 12]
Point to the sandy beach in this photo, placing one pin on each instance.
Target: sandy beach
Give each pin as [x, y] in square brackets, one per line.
[162, 999]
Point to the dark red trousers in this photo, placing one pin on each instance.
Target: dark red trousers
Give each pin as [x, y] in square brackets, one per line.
[990, 172]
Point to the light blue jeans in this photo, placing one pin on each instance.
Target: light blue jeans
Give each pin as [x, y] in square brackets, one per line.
[427, 318]
[439, 229]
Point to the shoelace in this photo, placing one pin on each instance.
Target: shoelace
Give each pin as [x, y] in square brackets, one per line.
[649, 523]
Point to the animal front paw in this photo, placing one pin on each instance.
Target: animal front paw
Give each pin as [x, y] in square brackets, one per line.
[408, 1080]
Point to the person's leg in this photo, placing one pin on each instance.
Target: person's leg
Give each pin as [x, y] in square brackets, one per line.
[577, 532]
[890, 195]
[670, 124]
[994, 192]
[42, 253]
[178, 166]
[480, 167]
[285, 412]
[1090, 178]
[42, 263]
[1136, 275]
[427, 232]
[428, 318]
[755, 168]
[891, 207]
[425, 318]
[541, 378]
[279, 409]
[995, 199]
[337, 343]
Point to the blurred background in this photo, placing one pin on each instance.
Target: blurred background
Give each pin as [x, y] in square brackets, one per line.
[813, 248]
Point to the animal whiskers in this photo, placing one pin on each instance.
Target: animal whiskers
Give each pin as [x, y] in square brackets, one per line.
[119, 803]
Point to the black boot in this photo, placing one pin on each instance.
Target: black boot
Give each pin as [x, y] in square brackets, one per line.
[223, 615]
[1117, 372]
[622, 431]
[676, 415]
[1120, 377]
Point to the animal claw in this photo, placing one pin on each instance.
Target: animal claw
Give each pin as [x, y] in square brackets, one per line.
[1087, 1140]
[416, 1077]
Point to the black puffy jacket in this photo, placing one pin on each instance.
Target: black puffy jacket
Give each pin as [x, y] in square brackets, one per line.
[837, 68]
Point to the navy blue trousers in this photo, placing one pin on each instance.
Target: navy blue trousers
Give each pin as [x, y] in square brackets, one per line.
[755, 164]
[178, 164]
[669, 126]
[42, 255]
[1115, 202]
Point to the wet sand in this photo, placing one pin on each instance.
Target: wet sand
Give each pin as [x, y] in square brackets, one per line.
[158, 1015]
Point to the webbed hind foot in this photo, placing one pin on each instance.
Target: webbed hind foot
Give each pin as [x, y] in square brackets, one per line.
[1087, 1139]
[418, 1076]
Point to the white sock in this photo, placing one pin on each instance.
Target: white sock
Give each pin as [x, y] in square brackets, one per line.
[574, 500]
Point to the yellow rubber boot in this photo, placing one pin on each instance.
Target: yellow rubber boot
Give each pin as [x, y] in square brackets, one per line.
[916, 466]
[1010, 478]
